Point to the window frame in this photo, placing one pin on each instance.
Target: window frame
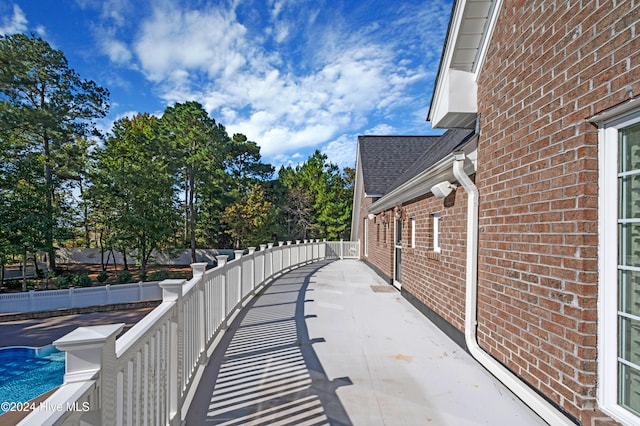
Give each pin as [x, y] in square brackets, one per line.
[608, 199]
[437, 232]
[412, 234]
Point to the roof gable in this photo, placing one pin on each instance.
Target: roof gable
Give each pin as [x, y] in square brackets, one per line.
[389, 161]
[384, 158]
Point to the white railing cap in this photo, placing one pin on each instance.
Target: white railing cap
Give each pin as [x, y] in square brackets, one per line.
[87, 337]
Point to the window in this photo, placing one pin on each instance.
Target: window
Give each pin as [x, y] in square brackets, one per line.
[436, 232]
[619, 285]
[365, 236]
[412, 234]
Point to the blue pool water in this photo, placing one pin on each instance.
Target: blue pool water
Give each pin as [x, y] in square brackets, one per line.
[28, 372]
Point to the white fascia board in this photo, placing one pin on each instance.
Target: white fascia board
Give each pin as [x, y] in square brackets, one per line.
[357, 194]
[422, 183]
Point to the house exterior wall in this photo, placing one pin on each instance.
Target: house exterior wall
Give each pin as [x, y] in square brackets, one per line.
[436, 279]
[380, 250]
[550, 66]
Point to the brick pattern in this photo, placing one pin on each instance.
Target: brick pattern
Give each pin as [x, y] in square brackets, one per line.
[437, 279]
[551, 65]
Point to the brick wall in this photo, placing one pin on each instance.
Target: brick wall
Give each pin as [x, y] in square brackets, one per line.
[550, 66]
[381, 244]
[437, 279]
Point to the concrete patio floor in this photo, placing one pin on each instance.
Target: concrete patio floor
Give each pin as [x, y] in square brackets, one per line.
[320, 346]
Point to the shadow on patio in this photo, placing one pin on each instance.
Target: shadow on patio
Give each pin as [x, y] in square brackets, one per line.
[265, 369]
[331, 343]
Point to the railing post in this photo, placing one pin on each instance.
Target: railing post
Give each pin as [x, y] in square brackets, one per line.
[238, 256]
[263, 247]
[222, 262]
[91, 351]
[270, 247]
[341, 249]
[280, 269]
[198, 270]
[252, 263]
[172, 292]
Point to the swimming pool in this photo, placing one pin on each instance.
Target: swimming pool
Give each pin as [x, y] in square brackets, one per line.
[28, 372]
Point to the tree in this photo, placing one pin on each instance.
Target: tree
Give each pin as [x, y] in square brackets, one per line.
[134, 181]
[197, 144]
[249, 219]
[319, 198]
[44, 104]
[244, 163]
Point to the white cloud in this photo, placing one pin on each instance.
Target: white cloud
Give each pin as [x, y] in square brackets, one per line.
[382, 129]
[330, 76]
[342, 151]
[117, 51]
[16, 23]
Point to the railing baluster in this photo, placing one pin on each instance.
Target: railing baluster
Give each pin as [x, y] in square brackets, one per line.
[148, 375]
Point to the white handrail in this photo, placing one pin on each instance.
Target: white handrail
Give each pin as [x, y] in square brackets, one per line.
[149, 374]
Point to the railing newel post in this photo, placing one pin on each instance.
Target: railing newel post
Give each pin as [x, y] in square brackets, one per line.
[252, 261]
[198, 271]
[222, 262]
[172, 292]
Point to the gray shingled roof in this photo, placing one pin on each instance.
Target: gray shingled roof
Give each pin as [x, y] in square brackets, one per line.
[389, 161]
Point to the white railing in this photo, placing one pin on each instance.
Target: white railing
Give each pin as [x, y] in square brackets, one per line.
[149, 374]
[45, 300]
[343, 249]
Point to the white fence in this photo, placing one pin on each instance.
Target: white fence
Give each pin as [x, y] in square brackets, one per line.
[45, 300]
[149, 374]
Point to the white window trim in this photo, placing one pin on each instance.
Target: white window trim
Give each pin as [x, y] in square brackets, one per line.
[608, 266]
[413, 232]
[365, 237]
[437, 218]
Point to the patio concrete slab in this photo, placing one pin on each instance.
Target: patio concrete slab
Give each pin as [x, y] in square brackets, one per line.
[320, 346]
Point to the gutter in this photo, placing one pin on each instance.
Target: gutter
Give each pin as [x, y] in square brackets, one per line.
[537, 403]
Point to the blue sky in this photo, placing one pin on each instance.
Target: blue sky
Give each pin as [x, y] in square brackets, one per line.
[292, 75]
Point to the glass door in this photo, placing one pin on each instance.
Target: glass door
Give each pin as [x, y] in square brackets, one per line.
[397, 254]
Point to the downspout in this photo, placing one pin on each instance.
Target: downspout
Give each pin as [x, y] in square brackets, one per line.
[541, 406]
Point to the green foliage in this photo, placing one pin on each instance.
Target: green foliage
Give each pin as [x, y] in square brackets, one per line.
[81, 280]
[179, 181]
[249, 219]
[63, 281]
[197, 151]
[318, 199]
[158, 275]
[43, 105]
[102, 276]
[125, 277]
[134, 187]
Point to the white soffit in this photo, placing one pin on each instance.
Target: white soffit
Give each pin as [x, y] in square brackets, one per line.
[470, 35]
[454, 101]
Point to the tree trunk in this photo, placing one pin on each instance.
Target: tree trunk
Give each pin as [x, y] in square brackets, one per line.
[85, 219]
[35, 264]
[48, 177]
[192, 213]
[24, 270]
[124, 259]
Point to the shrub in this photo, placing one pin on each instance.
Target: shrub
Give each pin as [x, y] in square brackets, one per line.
[102, 276]
[125, 277]
[62, 281]
[142, 276]
[159, 275]
[82, 280]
